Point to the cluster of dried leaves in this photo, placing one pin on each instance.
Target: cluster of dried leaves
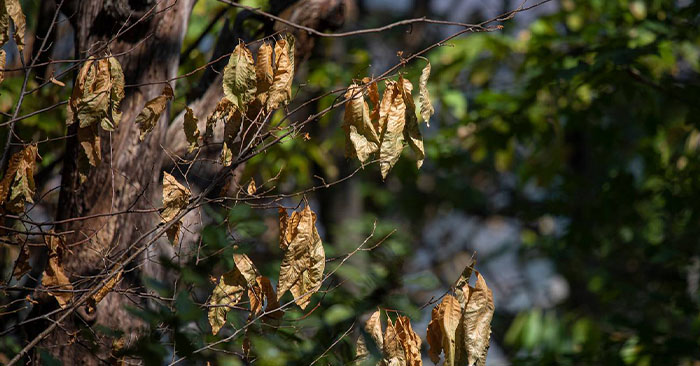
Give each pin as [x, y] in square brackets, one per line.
[460, 327]
[301, 273]
[391, 121]
[11, 10]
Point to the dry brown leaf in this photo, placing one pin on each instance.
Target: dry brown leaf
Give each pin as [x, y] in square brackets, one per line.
[410, 342]
[239, 78]
[17, 186]
[361, 139]
[393, 350]
[280, 92]
[288, 227]
[301, 271]
[13, 10]
[226, 294]
[461, 287]
[373, 93]
[251, 187]
[426, 107]
[264, 73]
[99, 295]
[55, 280]
[392, 119]
[190, 128]
[223, 112]
[449, 318]
[175, 198]
[148, 118]
[3, 56]
[260, 294]
[477, 321]
[98, 90]
[373, 327]
[434, 335]
[411, 131]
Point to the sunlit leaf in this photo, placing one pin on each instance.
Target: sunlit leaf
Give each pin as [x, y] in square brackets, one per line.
[392, 119]
[426, 107]
[239, 78]
[148, 118]
[281, 89]
[477, 321]
[264, 72]
[102, 292]
[411, 131]
[361, 139]
[191, 130]
[17, 186]
[175, 198]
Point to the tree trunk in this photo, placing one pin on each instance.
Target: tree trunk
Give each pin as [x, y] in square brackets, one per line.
[129, 175]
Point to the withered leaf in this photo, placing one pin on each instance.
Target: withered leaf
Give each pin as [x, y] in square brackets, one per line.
[55, 280]
[392, 119]
[226, 294]
[17, 186]
[99, 295]
[98, 90]
[280, 92]
[262, 297]
[22, 263]
[462, 285]
[239, 78]
[301, 271]
[373, 327]
[449, 318]
[411, 131]
[11, 9]
[410, 342]
[3, 56]
[148, 118]
[251, 187]
[373, 93]
[361, 139]
[393, 350]
[175, 198]
[434, 335]
[223, 112]
[426, 107]
[190, 128]
[477, 321]
[264, 73]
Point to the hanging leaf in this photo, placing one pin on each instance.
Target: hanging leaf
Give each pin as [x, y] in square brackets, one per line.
[361, 139]
[224, 110]
[411, 131]
[477, 322]
[175, 198]
[373, 93]
[264, 73]
[288, 227]
[251, 187]
[107, 288]
[226, 294]
[11, 9]
[148, 118]
[190, 128]
[232, 141]
[55, 280]
[17, 186]
[239, 78]
[301, 271]
[116, 95]
[393, 351]
[263, 293]
[434, 334]
[280, 92]
[3, 56]
[426, 107]
[462, 285]
[410, 342]
[373, 327]
[392, 119]
[449, 317]
[98, 90]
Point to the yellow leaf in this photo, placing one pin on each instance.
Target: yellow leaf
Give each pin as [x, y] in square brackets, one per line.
[190, 128]
[55, 280]
[175, 198]
[239, 78]
[264, 73]
[361, 139]
[251, 187]
[99, 295]
[477, 321]
[148, 118]
[392, 119]
[426, 107]
[301, 271]
[17, 186]
[280, 92]
[411, 131]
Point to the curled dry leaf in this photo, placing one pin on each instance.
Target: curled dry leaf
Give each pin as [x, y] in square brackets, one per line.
[226, 294]
[280, 92]
[251, 187]
[410, 342]
[99, 295]
[361, 139]
[301, 271]
[148, 118]
[3, 56]
[175, 198]
[411, 131]
[449, 319]
[373, 93]
[392, 119]
[426, 107]
[22, 263]
[393, 350]
[434, 334]
[264, 73]
[478, 314]
[98, 90]
[55, 280]
[190, 128]
[400, 345]
[223, 112]
[373, 327]
[11, 9]
[239, 78]
[17, 186]
[262, 295]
